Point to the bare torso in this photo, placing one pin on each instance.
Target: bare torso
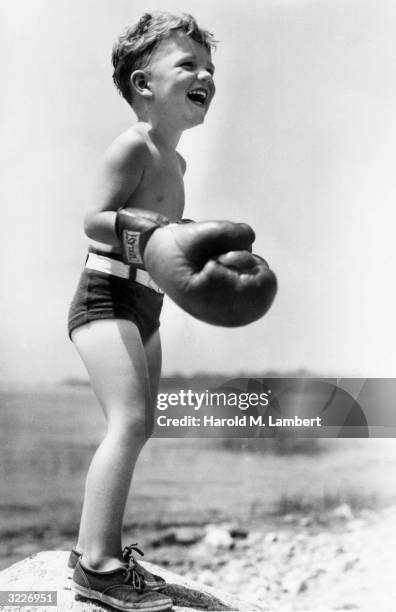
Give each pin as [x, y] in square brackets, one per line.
[159, 187]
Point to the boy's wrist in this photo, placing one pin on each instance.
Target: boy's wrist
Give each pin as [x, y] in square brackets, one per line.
[134, 227]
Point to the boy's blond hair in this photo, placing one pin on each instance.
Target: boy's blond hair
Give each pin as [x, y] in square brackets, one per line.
[135, 46]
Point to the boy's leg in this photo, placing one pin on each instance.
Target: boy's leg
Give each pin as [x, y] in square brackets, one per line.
[117, 363]
[152, 349]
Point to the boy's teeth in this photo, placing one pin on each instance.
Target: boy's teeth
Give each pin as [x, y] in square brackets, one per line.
[197, 95]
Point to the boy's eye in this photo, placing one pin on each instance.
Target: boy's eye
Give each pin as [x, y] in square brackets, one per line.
[188, 65]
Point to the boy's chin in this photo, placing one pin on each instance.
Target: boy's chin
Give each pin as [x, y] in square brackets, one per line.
[197, 120]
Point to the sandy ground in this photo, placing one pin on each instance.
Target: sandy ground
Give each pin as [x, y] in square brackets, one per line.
[338, 562]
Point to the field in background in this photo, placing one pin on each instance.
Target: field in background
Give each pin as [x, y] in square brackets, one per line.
[47, 438]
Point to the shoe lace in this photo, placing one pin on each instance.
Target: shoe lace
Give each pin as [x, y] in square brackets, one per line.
[129, 550]
[132, 574]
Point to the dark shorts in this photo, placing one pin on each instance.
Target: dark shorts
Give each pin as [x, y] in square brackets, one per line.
[103, 296]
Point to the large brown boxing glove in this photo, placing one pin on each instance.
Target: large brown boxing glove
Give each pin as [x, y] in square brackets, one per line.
[206, 268]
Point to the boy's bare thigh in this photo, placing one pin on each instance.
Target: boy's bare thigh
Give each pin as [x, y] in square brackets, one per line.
[124, 373]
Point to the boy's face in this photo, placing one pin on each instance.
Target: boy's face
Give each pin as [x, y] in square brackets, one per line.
[180, 77]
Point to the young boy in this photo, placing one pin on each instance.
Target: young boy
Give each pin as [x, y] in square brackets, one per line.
[163, 68]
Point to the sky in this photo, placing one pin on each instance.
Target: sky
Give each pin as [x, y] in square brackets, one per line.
[299, 142]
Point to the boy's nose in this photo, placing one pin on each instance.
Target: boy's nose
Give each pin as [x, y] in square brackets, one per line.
[204, 75]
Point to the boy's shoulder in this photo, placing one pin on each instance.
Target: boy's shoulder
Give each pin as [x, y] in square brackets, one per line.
[132, 141]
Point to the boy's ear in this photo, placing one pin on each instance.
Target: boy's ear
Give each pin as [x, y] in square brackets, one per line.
[139, 83]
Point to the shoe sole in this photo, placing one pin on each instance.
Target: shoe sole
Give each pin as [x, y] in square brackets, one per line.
[164, 604]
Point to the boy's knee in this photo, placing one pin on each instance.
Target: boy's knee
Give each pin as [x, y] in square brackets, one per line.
[133, 427]
[149, 424]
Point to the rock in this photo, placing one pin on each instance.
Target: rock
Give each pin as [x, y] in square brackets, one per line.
[184, 536]
[349, 561]
[47, 571]
[289, 519]
[303, 586]
[343, 512]
[237, 532]
[218, 538]
[187, 535]
[291, 550]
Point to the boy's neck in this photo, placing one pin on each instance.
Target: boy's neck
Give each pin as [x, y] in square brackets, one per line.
[165, 138]
[163, 135]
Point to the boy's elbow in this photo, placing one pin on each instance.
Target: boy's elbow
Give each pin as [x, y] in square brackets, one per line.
[100, 226]
[95, 223]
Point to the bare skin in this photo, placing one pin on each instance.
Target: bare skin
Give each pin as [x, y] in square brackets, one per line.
[125, 379]
[143, 169]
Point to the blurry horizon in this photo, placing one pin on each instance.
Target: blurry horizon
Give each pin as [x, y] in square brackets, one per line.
[199, 376]
[299, 142]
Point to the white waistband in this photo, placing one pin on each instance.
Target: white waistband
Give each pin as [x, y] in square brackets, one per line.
[107, 265]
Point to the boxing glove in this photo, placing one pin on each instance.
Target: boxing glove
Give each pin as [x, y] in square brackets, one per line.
[209, 272]
[206, 268]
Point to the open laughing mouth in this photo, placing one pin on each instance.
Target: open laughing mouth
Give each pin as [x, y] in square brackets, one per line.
[198, 96]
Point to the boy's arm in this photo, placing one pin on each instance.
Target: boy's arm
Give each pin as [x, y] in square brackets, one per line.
[119, 175]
